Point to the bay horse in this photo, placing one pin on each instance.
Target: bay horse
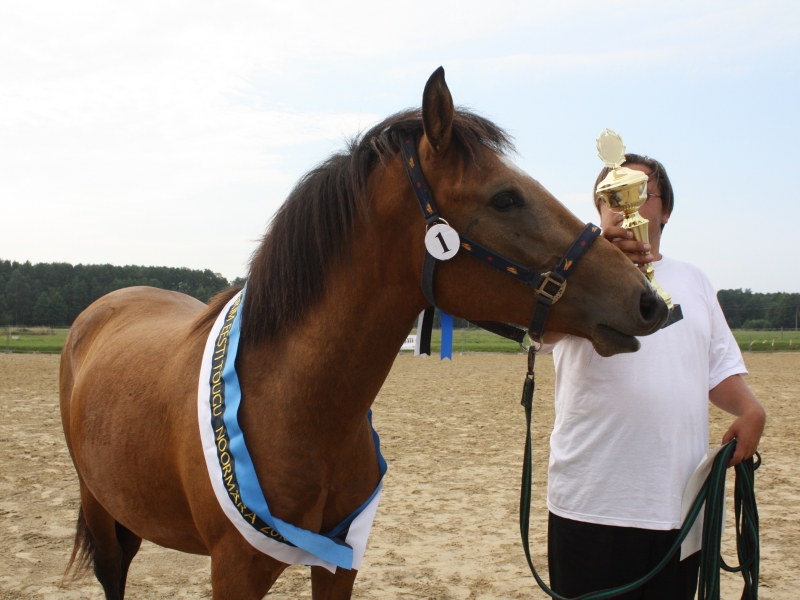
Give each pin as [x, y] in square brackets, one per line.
[333, 290]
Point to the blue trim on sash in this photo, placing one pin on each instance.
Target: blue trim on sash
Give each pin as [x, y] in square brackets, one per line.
[327, 547]
[336, 531]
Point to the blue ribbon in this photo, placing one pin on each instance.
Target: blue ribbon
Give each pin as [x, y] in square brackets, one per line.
[447, 336]
[326, 547]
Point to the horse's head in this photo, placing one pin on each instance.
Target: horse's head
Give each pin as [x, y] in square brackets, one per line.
[486, 197]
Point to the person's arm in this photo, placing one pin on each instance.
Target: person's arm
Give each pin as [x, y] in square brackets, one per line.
[733, 396]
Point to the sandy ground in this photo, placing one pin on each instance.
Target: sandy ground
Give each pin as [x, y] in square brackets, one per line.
[447, 528]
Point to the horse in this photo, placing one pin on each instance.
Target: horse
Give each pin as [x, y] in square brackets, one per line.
[332, 292]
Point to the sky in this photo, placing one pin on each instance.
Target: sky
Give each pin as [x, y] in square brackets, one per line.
[168, 133]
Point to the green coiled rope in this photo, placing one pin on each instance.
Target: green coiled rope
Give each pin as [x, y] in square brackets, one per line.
[712, 494]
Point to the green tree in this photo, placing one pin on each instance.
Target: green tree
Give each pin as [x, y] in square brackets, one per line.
[757, 324]
[50, 309]
[740, 306]
[58, 310]
[201, 294]
[41, 310]
[18, 297]
[782, 309]
[78, 298]
[4, 313]
[96, 289]
[22, 284]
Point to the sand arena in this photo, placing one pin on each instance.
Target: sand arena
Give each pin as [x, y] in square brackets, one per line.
[447, 527]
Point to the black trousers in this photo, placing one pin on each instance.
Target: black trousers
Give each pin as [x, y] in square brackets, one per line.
[586, 557]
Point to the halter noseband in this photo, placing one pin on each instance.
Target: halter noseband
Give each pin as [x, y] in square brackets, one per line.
[549, 286]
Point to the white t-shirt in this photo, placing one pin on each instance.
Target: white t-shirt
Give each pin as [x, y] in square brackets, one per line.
[631, 429]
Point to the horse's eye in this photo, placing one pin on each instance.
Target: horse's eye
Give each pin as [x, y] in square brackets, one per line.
[505, 201]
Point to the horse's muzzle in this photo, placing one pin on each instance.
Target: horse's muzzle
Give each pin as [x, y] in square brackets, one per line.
[653, 310]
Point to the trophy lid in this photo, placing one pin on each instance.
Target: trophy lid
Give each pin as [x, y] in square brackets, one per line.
[611, 151]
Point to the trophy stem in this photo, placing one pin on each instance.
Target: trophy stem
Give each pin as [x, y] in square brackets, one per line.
[661, 291]
[637, 224]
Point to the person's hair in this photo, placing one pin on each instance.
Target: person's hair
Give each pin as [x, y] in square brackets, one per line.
[659, 173]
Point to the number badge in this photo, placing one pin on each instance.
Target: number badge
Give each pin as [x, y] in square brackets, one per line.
[442, 241]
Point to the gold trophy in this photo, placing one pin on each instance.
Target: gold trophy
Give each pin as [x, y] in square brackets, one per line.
[624, 191]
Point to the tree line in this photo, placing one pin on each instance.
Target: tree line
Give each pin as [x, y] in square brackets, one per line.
[745, 309]
[54, 294]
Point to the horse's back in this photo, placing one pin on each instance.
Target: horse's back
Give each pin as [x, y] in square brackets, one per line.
[134, 323]
[128, 389]
[129, 311]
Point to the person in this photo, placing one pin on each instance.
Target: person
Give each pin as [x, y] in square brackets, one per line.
[631, 429]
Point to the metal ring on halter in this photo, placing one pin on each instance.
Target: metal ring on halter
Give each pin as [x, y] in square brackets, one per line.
[532, 344]
[436, 222]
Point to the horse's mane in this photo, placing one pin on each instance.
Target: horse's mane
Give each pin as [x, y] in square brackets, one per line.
[311, 229]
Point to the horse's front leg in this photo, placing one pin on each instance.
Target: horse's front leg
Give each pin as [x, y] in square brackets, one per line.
[239, 572]
[332, 586]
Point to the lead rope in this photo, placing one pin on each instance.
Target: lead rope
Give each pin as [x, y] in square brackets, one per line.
[712, 494]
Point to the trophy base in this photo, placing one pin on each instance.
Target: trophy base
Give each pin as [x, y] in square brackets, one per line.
[675, 315]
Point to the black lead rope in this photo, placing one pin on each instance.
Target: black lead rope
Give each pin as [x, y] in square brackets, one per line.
[712, 494]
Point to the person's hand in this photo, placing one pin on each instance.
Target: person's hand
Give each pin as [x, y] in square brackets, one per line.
[637, 252]
[733, 396]
[747, 430]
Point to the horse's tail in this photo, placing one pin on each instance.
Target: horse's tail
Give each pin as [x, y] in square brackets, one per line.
[82, 558]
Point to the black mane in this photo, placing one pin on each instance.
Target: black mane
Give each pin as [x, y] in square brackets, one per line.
[311, 229]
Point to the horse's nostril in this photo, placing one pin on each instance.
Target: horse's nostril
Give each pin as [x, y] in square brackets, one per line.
[648, 305]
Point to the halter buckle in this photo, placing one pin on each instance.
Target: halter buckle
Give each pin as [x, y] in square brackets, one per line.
[552, 288]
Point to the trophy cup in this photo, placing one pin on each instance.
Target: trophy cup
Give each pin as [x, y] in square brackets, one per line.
[624, 191]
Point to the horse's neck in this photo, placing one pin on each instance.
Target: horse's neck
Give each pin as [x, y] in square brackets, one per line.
[332, 364]
[306, 394]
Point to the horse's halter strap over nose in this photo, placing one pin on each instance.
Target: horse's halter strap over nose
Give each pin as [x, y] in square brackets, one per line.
[549, 286]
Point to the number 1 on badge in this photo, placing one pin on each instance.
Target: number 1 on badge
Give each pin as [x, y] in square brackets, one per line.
[442, 241]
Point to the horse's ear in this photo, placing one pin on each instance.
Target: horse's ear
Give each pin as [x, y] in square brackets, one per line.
[437, 111]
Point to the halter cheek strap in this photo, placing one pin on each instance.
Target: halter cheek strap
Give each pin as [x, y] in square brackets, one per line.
[549, 286]
[557, 279]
